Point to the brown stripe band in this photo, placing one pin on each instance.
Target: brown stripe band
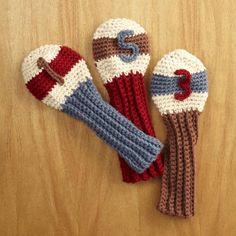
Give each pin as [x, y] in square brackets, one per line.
[106, 47]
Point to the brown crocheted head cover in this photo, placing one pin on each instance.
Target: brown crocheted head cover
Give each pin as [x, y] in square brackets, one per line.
[179, 89]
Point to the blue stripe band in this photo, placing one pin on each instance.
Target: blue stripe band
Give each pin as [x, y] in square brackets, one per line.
[165, 85]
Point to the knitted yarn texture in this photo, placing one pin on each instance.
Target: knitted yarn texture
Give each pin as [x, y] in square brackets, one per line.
[121, 54]
[59, 77]
[179, 89]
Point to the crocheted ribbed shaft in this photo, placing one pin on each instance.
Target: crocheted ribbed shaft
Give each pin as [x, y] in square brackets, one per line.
[179, 89]
[177, 196]
[65, 83]
[121, 54]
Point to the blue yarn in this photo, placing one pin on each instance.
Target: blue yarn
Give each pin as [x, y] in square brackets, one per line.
[122, 44]
[138, 149]
[165, 85]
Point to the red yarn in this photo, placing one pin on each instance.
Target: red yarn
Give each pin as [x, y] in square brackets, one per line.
[43, 83]
[184, 84]
[62, 66]
[128, 95]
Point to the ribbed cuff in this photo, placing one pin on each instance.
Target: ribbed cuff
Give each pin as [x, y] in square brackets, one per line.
[128, 95]
[138, 149]
[178, 181]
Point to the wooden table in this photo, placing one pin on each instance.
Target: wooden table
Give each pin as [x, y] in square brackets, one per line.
[58, 178]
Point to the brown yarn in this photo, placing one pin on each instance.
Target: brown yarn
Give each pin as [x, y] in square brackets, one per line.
[106, 47]
[42, 63]
[177, 190]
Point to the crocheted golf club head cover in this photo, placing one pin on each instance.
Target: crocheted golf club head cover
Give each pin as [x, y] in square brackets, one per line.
[179, 89]
[121, 54]
[59, 77]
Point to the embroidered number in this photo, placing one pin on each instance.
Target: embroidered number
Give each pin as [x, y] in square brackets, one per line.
[124, 45]
[184, 83]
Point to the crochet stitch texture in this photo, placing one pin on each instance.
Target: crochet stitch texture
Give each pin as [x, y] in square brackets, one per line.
[180, 114]
[121, 54]
[77, 96]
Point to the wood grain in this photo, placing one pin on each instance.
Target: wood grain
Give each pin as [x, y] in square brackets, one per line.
[57, 177]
